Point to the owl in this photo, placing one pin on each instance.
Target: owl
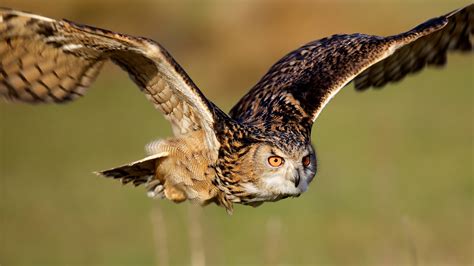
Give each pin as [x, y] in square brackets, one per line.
[261, 151]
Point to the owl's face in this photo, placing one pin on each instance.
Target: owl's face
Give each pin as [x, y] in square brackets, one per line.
[274, 174]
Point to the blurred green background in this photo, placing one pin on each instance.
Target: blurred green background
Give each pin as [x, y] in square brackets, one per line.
[395, 185]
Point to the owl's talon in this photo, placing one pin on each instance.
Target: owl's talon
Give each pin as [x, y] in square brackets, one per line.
[156, 191]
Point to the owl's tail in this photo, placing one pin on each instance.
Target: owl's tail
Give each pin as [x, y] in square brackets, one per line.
[137, 173]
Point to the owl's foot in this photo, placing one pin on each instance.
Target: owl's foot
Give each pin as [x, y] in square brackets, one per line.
[158, 190]
[155, 189]
[174, 194]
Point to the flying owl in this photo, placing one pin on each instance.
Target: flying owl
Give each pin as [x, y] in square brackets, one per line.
[261, 151]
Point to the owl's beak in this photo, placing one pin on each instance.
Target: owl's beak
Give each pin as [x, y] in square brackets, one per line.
[297, 179]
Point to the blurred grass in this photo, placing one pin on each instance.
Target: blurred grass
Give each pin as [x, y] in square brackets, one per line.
[395, 185]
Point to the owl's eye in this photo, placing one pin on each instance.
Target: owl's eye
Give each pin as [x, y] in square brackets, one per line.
[306, 160]
[275, 161]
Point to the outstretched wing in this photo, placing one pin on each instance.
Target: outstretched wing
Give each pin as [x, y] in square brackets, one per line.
[428, 50]
[54, 61]
[296, 88]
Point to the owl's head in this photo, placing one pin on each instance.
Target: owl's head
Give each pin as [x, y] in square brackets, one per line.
[274, 173]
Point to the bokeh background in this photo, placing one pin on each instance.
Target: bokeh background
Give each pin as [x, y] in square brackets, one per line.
[395, 185]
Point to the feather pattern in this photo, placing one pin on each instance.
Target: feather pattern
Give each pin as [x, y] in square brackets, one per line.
[45, 60]
[297, 88]
[429, 50]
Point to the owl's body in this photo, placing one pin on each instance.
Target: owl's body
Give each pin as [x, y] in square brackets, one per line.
[262, 150]
[181, 171]
[181, 168]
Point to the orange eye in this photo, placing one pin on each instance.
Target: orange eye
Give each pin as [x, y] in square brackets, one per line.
[306, 160]
[275, 161]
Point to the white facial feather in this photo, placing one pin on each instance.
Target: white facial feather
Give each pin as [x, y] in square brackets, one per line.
[277, 182]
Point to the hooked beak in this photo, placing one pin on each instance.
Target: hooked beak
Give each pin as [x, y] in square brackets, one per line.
[297, 179]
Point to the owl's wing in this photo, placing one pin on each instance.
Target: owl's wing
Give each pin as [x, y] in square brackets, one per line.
[54, 61]
[428, 50]
[296, 88]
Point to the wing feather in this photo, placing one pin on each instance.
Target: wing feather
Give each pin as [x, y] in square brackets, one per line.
[429, 50]
[44, 60]
[297, 88]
